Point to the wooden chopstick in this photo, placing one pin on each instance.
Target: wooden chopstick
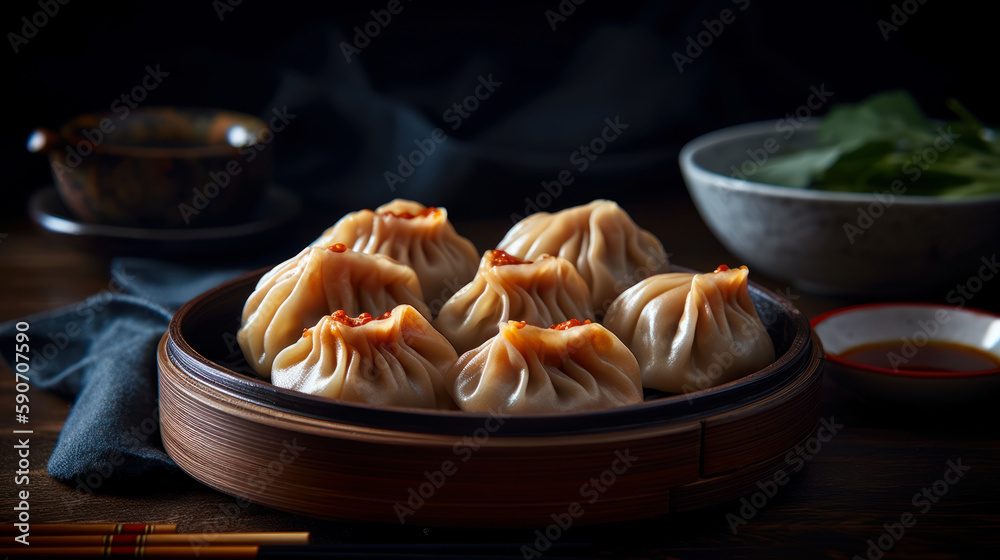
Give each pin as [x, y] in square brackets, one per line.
[174, 539]
[247, 552]
[131, 552]
[137, 540]
[372, 551]
[90, 529]
[395, 551]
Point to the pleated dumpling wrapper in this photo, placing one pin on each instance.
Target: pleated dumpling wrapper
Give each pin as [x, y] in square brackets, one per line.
[318, 281]
[572, 367]
[609, 250]
[397, 359]
[416, 235]
[692, 331]
[505, 288]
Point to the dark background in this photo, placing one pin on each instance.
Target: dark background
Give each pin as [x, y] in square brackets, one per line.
[608, 58]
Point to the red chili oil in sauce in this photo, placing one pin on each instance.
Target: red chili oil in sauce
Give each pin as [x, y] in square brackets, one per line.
[337, 247]
[501, 258]
[934, 355]
[429, 211]
[569, 324]
[724, 268]
[343, 318]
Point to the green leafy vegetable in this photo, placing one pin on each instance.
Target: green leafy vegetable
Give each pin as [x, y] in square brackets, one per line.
[887, 142]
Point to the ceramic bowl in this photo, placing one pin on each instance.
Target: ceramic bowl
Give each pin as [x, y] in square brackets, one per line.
[159, 166]
[833, 243]
[913, 326]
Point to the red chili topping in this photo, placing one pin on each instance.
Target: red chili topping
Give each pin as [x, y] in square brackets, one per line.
[429, 211]
[722, 268]
[337, 247]
[343, 318]
[520, 324]
[501, 258]
[569, 324]
[306, 332]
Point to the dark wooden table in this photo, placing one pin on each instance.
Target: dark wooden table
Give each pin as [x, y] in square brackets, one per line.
[852, 493]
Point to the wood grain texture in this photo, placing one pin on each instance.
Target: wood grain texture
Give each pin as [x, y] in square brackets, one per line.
[758, 432]
[338, 471]
[338, 461]
[862, 478]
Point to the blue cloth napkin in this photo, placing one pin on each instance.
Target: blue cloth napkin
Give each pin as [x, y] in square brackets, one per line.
[101, 354]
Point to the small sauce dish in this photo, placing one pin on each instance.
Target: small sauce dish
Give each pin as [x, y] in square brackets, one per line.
[912, 353]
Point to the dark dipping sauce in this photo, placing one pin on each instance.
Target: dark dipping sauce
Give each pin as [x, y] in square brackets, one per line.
[934, 355]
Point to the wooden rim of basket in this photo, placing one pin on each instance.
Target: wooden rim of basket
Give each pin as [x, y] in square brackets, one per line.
[257, 395]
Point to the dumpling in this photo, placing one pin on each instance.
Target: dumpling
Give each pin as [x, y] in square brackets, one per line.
[609, 250]
[572, 367]
[397, 359]
[414, 235]
[541, 292]
[692, 331]
[316, 282]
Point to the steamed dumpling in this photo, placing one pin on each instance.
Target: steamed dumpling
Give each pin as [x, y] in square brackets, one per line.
[524, 369]
[397, 359]
[316, 282]
[692, 331]
[543, 292]
[609, 250]
[414, 235]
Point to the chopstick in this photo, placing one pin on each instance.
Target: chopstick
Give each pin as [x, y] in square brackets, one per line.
[196, 540]
[398, 551]
[143, 542]
[373, 551]
[131, 552]
[162, 541]
[43, 529]
[360, 552]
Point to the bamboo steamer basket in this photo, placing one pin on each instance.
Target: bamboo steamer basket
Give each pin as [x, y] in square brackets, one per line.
[322, 458]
